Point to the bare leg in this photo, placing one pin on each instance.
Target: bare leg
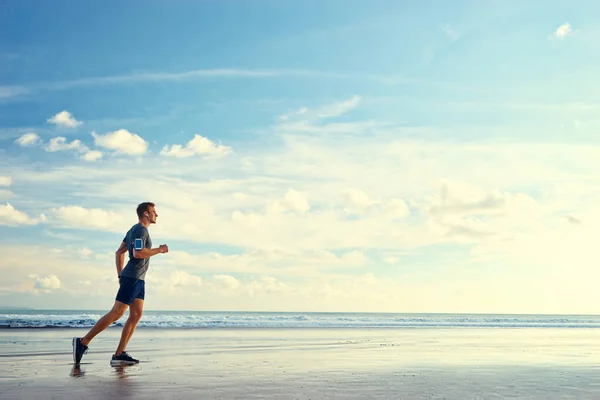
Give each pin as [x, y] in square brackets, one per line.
[135, 314]
[114, 314]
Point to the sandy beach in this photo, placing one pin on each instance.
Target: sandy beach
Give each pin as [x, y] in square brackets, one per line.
[306, 364]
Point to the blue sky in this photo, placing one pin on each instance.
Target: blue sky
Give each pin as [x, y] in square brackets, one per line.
[321, 156]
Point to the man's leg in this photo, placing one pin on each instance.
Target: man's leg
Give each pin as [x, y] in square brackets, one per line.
[80, 345]
[114, 314]
[135, 314]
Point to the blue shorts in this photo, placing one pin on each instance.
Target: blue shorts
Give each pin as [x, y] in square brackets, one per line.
[130, 289]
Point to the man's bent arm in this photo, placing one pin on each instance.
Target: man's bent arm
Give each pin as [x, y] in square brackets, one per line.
[120, 257]
[147, 253]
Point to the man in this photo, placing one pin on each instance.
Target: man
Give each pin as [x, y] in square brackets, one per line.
[132, 286]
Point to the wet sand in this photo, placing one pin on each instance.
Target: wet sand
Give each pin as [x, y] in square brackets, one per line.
[306, 364]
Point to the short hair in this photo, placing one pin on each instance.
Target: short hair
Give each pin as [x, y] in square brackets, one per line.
[143, 207]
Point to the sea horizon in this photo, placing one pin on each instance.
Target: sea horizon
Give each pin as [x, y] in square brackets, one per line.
[4, 308]
[86, 318]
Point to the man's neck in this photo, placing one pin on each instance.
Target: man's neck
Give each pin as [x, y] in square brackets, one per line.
[145, 222]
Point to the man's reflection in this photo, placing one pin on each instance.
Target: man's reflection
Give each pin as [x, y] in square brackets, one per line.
[120, 370]
[77, 372]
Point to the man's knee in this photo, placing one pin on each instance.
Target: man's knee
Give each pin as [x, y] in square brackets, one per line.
[135, 311]
[118, 310]
[135, 315]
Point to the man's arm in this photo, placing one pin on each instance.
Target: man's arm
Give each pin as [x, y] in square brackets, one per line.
[120, 257]
[147, 253]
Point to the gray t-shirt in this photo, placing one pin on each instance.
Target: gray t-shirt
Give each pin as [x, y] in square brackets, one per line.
[137, 238]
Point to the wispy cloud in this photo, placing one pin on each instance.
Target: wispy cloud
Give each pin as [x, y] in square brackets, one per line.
[338, 109]
[13, 91]
[305, 120]
[8, 92]
[177, 76]
[326, 111]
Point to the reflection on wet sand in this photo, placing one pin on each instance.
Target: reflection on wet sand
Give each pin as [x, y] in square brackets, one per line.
[119, 370]
[77, 371]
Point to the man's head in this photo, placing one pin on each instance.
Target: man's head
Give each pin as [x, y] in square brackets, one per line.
[146, 211]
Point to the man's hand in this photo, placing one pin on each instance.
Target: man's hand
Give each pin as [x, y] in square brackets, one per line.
[164, 248]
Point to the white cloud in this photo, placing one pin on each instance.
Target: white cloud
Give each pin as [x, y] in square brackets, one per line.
[177, 151]
[563, 31]
[92, 218]
[64, 119]
[353, 257]
[28, 139]
[267, 285]
[5, 180]
[92, 155]
[293, 200]
[50, 282]
[10, 216]
[391, 259]
[302, 263]
[60, 144]
[199, 145]
[5, 195]
[367, 279]
[227, 281]
[463, 210]
[85, 252]
[397, 208]
[462, 198]
[121, 141]
[177, 280]
[180, 278]
[358, 199]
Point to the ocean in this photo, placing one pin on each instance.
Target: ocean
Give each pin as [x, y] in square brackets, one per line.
[34, 318]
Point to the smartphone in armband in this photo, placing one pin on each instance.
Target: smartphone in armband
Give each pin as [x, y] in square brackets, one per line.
[138, 244]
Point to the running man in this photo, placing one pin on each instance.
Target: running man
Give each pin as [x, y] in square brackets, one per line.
[131, 291]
